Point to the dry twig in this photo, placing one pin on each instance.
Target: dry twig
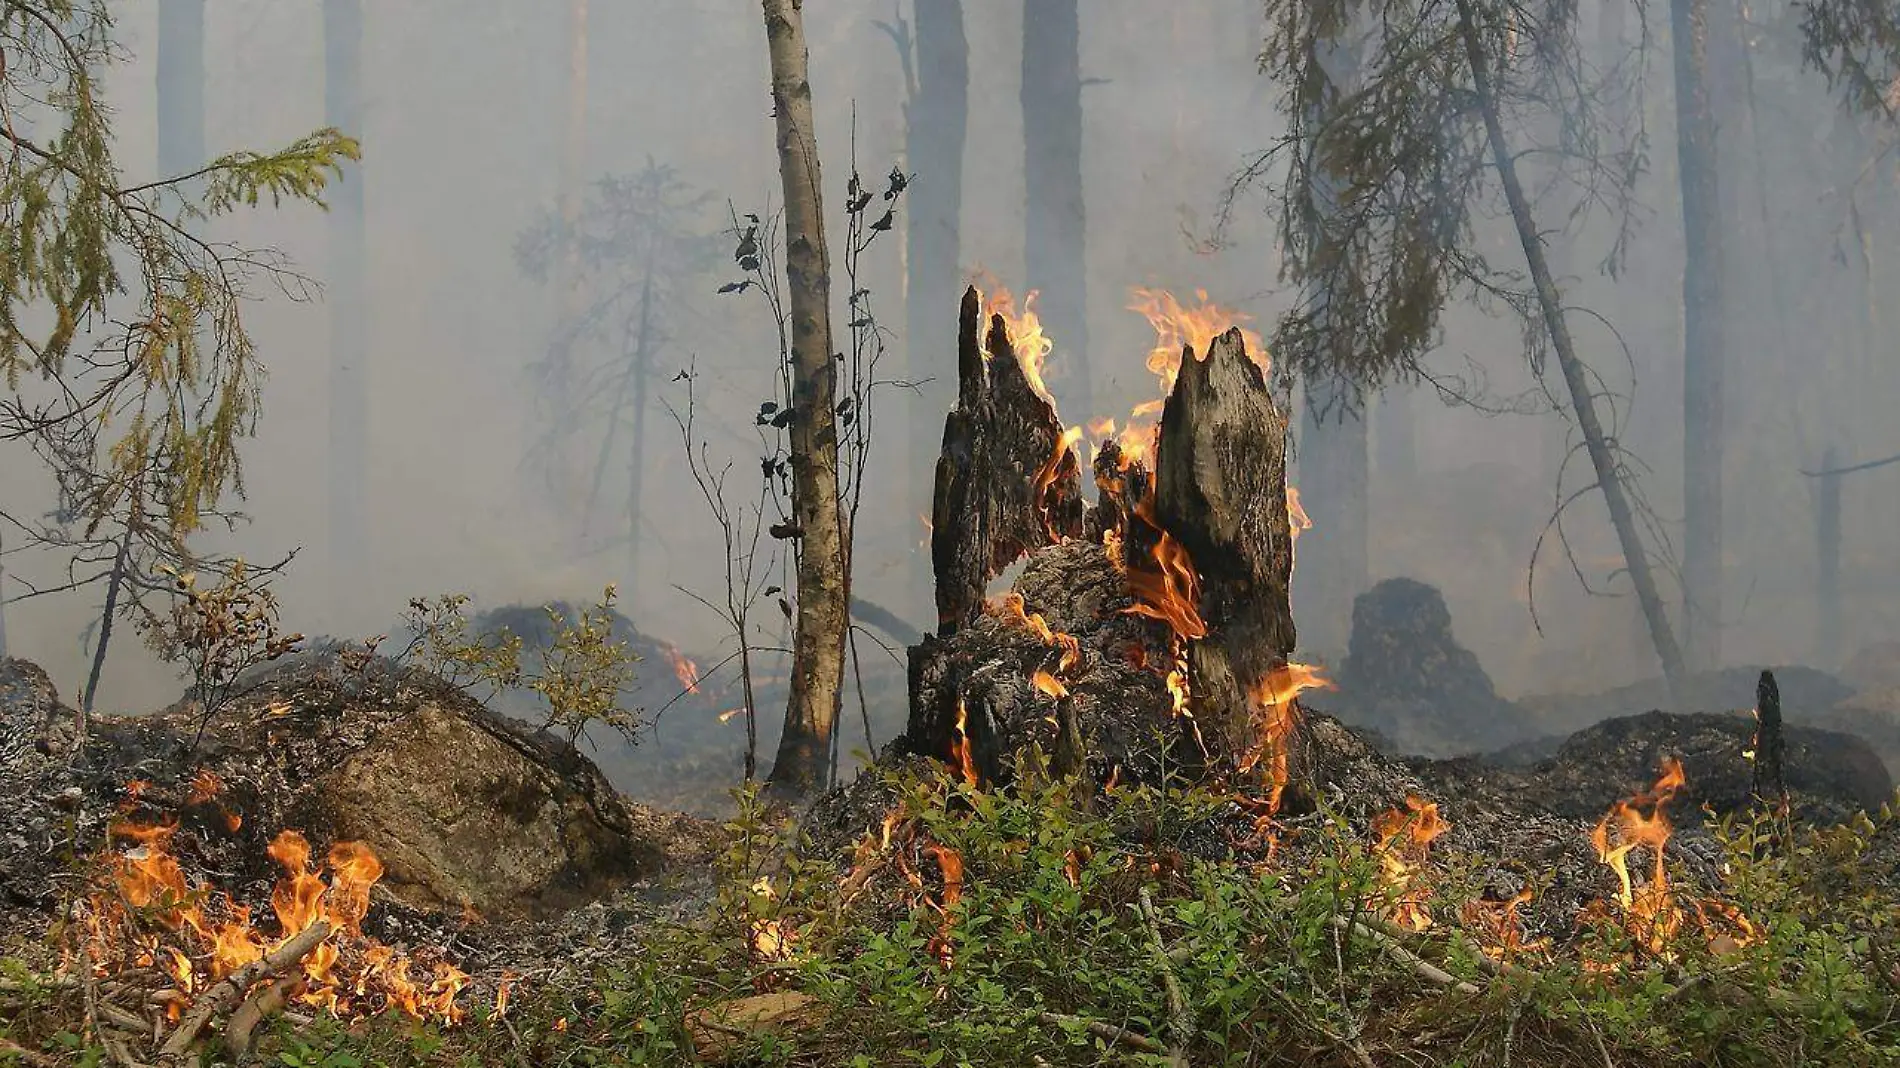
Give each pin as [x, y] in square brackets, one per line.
[1114, 1036]
[1399, 953]
[27, 1057]
[234, 986]
[266, 1002]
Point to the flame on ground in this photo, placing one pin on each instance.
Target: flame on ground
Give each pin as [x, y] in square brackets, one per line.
[1404, 838]
[1275, 719]
[1498, 928]
[684, 669]
[1650, 914]
[147, 913]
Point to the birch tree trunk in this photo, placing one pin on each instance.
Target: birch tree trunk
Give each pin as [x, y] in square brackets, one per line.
[818, 641]
[1702, 352]
[347, 298]
[1054, 223]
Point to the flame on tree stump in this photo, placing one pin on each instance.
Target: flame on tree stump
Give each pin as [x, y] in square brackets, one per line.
[1148, 631]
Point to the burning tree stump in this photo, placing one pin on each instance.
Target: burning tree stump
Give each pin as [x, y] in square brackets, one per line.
[1150, 632]
[1220, 491]
[1008, 481]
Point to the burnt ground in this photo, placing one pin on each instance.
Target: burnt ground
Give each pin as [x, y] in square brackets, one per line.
[280, 747]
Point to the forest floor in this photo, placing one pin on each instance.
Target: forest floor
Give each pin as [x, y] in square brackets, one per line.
[972, 927]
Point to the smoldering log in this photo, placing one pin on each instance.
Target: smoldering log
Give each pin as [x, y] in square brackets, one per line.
[1220, 490]
[1006, 481]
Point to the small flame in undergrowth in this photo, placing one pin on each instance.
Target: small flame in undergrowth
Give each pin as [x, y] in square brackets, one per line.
[1404, 838]
[770, 939]
[950, 863]
[1498, 928]
[1048, 684]
[1650, 914]
[147, 913]
[684, 669]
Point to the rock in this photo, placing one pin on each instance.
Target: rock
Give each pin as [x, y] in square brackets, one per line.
[1406, 677]
[1873, 714]
[1831, 774]
[466, 808]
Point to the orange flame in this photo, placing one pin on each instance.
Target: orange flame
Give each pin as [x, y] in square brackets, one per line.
[1401, 860]
[1026, 337]
[213, 936]
[1275, 718]
[1498, 928]
[684, 670]
[960, 747]
[1179, 327]
[1650, 915]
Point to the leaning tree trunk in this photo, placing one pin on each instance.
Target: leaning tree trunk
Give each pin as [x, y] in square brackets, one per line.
[1054, 224]
[811, 712]
[937, 118]
[1702, 355]
[1608, 471]
[349, 324]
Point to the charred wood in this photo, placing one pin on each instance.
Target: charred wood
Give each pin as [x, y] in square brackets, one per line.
[1220, 490]
[1006, 483]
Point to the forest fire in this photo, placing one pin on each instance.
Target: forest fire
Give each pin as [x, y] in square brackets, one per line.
[1404, 838]
[147, 913]
[1026, 337]
[1499, 928]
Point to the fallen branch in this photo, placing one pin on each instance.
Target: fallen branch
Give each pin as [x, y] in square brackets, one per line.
[1180, 1023]
[267, 1002]
[1114, 1036]
[1399, 953]
[234, 985]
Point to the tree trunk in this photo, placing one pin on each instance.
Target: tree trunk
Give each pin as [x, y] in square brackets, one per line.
[181, 87]
[1220, 490]
[636, 452]
[1333, 567]
[811, 713]
[1395, 433]
[938, 116]
[115, 582]
[1332, 445]
[1053, 220]
[1827, 564]
[348, 302]
[1702, 354]
[1609, 473]
[1007, 481]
